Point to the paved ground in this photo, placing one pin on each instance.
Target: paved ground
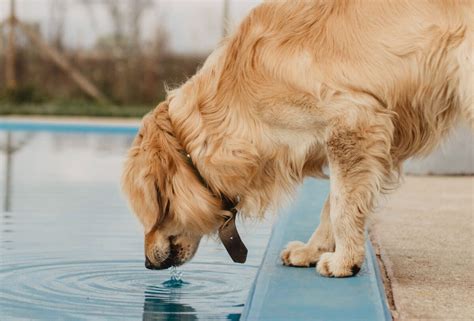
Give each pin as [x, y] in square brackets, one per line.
[425, 236]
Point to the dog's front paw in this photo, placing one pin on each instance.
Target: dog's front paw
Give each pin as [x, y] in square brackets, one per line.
[298, 253]
[336, 265]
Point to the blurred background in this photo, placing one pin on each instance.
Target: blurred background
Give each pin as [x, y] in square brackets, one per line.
[90, 57]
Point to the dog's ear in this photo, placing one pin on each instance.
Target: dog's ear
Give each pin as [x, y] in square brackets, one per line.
[160, 183]
[141, 173]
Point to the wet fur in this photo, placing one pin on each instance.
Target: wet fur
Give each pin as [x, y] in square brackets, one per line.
[359, 86]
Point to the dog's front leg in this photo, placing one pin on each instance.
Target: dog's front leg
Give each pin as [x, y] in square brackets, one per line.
[298, 253]
[360, 166]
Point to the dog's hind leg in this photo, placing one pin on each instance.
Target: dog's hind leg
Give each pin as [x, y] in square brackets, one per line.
[298, 253]
[360, 167]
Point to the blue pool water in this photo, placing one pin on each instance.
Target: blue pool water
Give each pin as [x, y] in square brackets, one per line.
[71, 250]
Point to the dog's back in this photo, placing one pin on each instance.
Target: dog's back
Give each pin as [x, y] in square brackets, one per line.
[413, 57]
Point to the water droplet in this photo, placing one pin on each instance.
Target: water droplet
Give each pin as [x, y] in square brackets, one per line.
[176, 278]
[175, 274]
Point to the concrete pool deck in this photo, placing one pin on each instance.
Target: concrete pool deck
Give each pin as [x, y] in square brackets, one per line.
[424, 234]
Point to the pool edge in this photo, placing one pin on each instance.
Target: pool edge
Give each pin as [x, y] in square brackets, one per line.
[67, 126]
[379, 310]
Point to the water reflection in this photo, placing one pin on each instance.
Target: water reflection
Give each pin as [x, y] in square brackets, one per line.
[99, 144]
[156, 308]
[9, 148]
[45, 149]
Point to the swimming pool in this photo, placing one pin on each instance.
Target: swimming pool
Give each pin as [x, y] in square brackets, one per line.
[70, 248]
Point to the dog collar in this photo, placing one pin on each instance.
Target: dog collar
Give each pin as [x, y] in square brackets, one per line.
[228, 233]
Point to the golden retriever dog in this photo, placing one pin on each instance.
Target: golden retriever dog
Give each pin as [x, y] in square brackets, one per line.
[358, 86]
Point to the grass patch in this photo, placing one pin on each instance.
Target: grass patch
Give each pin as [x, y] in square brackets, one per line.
[73, 109]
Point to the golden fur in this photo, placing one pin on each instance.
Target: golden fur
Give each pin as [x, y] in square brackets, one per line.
[359, 86]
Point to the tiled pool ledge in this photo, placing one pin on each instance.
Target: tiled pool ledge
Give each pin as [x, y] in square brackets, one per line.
[294, 294]
[67, 126]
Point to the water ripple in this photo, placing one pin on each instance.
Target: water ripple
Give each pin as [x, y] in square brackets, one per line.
[121, 289]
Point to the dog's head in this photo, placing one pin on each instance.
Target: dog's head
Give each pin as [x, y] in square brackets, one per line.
[169, 199]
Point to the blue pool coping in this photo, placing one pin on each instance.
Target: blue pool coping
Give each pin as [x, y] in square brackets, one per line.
[282, 293]
[67, 127]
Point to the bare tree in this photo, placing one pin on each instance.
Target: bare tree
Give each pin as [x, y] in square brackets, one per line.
[126, 17]
[117, 16]
[57, 14]
[89, 5]
[135, 61]
[136, 9]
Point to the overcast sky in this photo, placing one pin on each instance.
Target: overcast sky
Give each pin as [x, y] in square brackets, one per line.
[191, 25]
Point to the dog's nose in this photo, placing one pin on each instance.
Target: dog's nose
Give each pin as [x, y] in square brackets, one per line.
[148, 264]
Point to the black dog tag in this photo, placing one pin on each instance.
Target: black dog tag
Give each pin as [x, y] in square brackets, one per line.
[231, 239]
